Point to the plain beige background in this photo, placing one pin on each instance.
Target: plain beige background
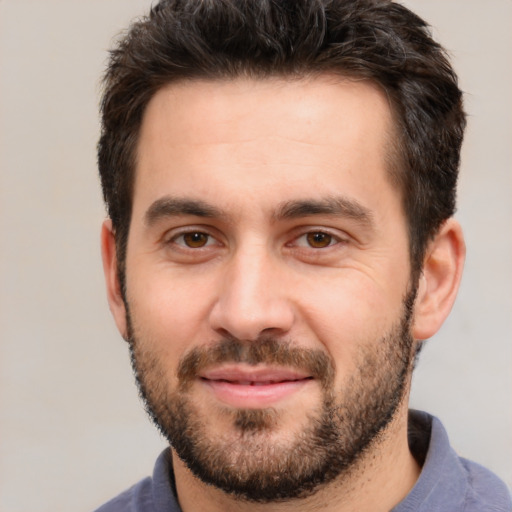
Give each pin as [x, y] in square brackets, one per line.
[72, 431]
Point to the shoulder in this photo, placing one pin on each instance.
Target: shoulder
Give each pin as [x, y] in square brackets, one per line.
[449, 483]
[152, 494]
[485, 491]
[135, 499]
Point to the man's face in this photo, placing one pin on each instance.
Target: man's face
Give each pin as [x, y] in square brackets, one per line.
[266, 274]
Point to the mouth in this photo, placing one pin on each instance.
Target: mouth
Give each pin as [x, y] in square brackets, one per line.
[253, 387]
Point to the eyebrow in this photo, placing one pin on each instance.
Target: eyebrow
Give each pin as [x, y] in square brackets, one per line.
[337, 206]
[173, 207]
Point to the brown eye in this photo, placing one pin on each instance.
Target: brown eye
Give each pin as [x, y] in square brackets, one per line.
[319, 240]
[195, 240]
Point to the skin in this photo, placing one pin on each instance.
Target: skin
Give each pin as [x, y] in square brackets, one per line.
[247, 149]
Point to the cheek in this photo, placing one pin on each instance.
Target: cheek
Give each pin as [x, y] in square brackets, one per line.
[350, 313]
[168, 312]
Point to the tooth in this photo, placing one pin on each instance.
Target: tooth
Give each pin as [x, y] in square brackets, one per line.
[254, 383]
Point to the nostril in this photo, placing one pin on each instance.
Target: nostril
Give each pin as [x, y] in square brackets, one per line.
[274, 331]
[247, 316]
[224, 333]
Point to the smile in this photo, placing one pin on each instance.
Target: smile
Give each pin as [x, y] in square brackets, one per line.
[257, 383]
[253, 388]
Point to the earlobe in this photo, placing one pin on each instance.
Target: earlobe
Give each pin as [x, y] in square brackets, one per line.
[440, 280]
[114, 295]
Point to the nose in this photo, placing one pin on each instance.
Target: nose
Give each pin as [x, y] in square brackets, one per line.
[253, 299]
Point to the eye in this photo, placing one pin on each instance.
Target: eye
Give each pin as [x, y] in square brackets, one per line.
[316, 240]
[193, 239]
[319, 240]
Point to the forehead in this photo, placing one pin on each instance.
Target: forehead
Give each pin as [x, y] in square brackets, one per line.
[250, 133]
[252, 103]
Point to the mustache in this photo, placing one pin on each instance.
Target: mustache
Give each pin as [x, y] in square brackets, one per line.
[267, 351]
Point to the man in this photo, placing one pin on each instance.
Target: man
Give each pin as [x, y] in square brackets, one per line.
[280, 180]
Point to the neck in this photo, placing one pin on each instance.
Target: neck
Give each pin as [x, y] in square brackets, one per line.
[380, 480]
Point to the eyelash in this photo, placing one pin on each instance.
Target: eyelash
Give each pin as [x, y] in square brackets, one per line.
[185, 245]
[322, 237]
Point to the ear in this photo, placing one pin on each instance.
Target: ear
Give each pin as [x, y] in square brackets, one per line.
[439, 282]
[114, 296]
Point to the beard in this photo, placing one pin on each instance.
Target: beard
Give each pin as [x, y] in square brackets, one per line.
[250, 460]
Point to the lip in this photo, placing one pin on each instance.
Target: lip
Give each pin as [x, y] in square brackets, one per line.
[253, 387]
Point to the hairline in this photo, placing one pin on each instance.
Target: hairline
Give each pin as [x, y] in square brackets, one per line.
[394, 158]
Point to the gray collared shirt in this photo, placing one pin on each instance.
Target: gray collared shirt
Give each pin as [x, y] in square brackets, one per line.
[447, 483]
